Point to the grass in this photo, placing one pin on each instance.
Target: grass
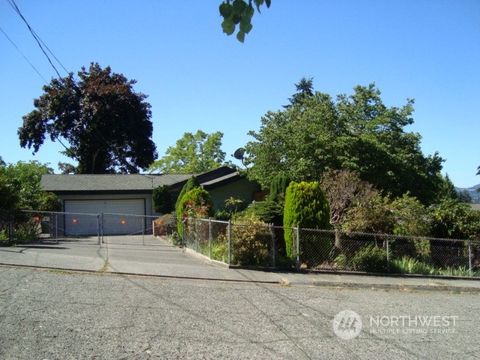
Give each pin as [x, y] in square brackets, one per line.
[408, 265]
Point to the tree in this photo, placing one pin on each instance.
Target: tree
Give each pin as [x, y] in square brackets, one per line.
[452, 219]
[8, 197]
[105, 123]
[464, 196]
[277, 188]
[446, 189]
[23, 182]
[410, 216]
[304, 90]
[192, 154]
[343, 190]
[162, 199]
[239, 12]
[66, 168]
[356, 132]
[374, 216]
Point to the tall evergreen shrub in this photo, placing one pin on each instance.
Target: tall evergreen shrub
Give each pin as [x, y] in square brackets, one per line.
[305, 206]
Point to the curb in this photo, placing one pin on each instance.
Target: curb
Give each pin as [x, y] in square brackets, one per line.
[100, 272]
[283, 281]
[373, 286]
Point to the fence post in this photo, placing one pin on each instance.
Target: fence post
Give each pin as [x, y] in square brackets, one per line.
[210, 238]
[274, 250]
[10, 231]
[101, 228]
[143, 230]
[195, 234]
[229, 241]
[470, 257]
[297, 247]
[56, 228]
[388, 254]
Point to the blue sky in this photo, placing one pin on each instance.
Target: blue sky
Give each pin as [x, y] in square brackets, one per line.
[198, 78]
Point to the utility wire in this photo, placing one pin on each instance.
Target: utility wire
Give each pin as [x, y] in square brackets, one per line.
[23, 55]
[50, 51]
[36, 37]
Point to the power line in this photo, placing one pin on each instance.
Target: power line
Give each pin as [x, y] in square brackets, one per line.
[24, 56]
[37, 39]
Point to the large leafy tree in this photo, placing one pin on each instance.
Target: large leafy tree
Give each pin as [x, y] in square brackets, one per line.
[102, 122]
[192, 153]
[357, 132]
[20, 187]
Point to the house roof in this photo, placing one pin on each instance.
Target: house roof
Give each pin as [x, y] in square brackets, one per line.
[123, 182]
[221, 180]
[108, 182]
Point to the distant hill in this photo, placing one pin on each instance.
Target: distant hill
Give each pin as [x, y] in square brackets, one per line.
[473, 191]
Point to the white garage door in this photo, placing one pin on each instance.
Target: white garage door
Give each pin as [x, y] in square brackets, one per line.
[77, 224]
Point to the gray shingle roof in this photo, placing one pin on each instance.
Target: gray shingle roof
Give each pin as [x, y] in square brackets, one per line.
[221, 179]
[110, 182]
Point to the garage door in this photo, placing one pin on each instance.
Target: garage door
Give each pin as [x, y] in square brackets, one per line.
[78, 224]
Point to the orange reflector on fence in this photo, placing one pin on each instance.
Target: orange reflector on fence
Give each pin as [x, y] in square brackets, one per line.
[123, 222]
[74, 221]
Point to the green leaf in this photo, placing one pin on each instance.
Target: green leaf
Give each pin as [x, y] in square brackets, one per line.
[259, 3]
[241, 36]
[239, 6]
[236, 18]
[268, 3]
[228, 26]
[225, 10]
[249, 12]
[245, 25]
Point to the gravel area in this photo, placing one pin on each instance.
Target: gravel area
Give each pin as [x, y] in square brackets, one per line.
[65, 315]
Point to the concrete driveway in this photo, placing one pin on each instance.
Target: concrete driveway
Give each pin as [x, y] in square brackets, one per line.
[139, 254]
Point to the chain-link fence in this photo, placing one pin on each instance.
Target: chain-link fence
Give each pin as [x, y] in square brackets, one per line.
[30, 226]
[127, 229]
[263, 245]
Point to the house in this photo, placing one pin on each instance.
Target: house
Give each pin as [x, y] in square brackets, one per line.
[131, 195]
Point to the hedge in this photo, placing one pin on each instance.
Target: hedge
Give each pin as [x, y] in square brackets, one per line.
[305, 206]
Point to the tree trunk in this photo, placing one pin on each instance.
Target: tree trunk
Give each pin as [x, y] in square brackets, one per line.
[338, 238]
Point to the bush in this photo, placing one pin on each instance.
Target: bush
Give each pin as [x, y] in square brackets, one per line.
[162, 200]
[4, 240]
[305, 206]
[223, 214]
[194, 203]
[250, 241]
[232, 207]
[370, 259]
[267, 211]
[220, 251]
[191, 184]
[407, 265]
[26, 232]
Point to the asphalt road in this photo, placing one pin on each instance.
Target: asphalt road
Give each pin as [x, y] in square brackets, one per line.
[63, 315]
